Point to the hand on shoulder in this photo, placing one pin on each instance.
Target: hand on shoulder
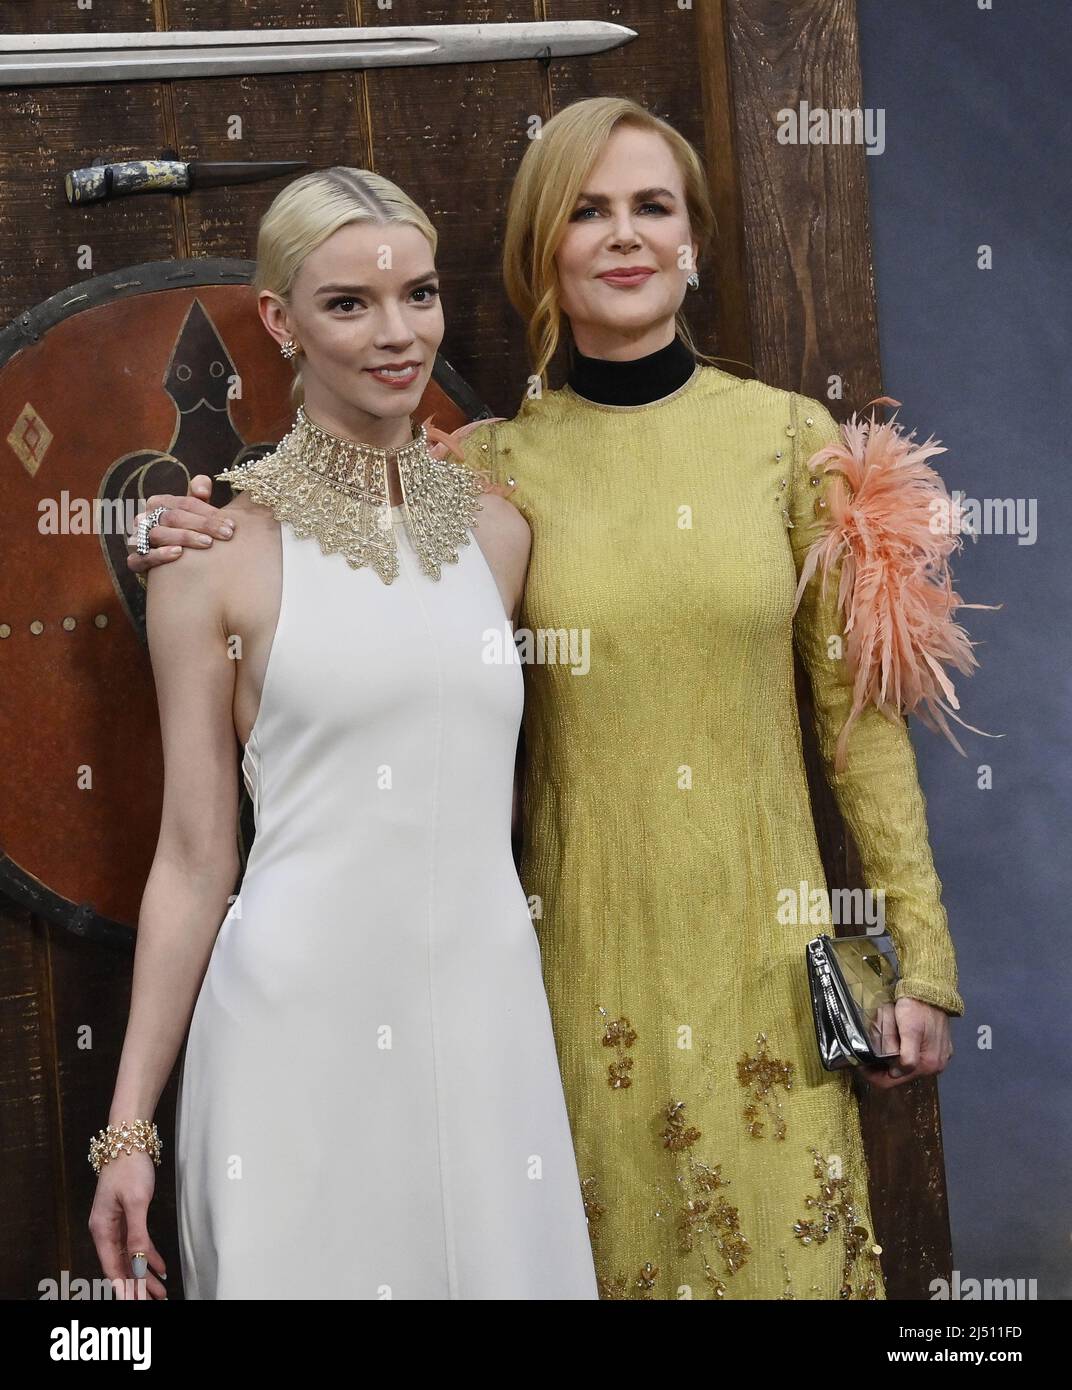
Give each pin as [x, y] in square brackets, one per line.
[186, 522]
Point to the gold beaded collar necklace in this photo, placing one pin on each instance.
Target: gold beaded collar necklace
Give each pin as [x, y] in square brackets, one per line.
[336, 490]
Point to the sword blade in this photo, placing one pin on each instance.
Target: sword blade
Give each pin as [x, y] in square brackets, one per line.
[29, 60]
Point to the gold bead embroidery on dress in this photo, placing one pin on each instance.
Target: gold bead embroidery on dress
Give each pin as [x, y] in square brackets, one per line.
[763, 1074]
[837, 1210]
[813, 479]
[619, 1034]
[594, 1211]
[619, 1287]
[783, 483]
[616, 1286]
[787, 1294]
[677, 1135]
[782, 496]
[704, 1220]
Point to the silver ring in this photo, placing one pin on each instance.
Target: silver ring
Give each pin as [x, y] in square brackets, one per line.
[145, 525]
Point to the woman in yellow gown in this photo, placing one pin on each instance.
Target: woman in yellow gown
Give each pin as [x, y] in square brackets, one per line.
[668, 829]
[666, 815]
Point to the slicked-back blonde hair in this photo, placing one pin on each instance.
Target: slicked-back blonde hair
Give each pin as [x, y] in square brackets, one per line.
[550, 176]
[309, 210]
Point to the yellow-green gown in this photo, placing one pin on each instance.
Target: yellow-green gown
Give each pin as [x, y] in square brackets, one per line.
[668, 830]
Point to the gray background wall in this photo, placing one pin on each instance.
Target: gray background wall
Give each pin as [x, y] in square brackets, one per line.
[978, 134]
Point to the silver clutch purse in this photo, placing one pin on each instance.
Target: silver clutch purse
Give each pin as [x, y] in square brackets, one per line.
[852, 981]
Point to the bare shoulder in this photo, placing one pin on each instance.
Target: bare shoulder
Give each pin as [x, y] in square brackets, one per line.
[499, 523]
[207, 573]
[504, 536]
[242, 506]
[255, 526]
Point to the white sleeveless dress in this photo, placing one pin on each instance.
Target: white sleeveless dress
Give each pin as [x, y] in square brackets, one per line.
[369, 1103]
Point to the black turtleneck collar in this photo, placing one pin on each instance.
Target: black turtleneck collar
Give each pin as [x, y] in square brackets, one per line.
[639, 382]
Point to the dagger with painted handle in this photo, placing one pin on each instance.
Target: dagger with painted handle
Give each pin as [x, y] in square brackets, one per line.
[36, 60]
[102, 181]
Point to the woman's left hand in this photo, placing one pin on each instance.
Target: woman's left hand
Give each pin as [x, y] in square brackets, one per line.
[925, 1045]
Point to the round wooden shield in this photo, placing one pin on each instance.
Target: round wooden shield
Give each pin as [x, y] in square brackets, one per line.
[117, 388]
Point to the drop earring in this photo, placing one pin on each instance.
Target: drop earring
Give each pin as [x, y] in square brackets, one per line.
[693, 281]
[289, 349]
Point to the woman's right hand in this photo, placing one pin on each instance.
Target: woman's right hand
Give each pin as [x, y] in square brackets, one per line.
[119, 1226]
[189, 522]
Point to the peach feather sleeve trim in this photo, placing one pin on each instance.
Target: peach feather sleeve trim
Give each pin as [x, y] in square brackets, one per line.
[443, 444]
[891, 522]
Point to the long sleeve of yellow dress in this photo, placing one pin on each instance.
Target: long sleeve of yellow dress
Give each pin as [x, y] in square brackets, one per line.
[878, 793]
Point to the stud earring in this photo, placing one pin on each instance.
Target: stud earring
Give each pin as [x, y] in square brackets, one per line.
[693, 281]
[290, 349]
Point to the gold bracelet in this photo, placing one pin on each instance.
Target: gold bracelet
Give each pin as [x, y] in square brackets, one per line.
[125, 1138]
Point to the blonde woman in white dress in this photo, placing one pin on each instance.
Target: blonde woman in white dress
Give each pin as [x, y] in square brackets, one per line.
[370, 1104]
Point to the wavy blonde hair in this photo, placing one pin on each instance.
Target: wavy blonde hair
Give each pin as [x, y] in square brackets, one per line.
[544, 194]
[308, 211]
